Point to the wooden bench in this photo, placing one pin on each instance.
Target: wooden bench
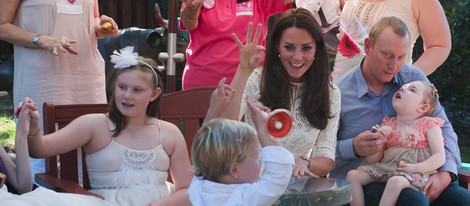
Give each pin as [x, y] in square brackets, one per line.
[67, 172]
[464, 176]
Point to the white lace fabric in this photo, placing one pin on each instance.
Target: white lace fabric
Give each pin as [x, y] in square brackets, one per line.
[304, 139]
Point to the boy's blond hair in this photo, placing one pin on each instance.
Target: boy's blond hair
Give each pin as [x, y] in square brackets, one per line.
[218, 144]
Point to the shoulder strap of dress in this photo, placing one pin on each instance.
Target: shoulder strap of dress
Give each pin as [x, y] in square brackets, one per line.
[111, 124]
[160, 130]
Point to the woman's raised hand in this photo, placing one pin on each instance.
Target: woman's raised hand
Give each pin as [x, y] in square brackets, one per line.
[250, 52]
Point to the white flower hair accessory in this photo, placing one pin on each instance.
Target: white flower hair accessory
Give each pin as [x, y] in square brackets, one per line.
[126, 57]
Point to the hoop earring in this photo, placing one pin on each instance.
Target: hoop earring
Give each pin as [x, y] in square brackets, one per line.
[279, 55]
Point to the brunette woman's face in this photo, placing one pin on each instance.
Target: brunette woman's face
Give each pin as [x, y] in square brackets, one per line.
[297, 52]
[133, 92]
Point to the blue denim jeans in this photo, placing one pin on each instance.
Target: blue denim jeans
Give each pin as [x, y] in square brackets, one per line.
[452, 195]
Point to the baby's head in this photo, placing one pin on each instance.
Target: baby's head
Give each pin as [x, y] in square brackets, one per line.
[431, 97]
[418, 96]
[226, 151]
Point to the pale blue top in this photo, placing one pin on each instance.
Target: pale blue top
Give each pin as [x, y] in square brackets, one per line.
[361, 109]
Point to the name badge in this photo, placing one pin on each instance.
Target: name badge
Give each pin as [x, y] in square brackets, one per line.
[69, 8]
[245, 9]
[209, 4]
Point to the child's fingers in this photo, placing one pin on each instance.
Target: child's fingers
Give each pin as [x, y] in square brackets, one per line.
[257, 33]
[230, 95]
[248, 33]
[264, 108]
[222, 82]
[253, 108]
[221, 86]
[237, 40]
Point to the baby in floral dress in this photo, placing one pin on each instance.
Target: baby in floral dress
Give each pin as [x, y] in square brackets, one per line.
[414, 149]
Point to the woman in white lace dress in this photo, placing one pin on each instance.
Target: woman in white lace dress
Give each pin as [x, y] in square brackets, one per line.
[128, 151]
[296, 77]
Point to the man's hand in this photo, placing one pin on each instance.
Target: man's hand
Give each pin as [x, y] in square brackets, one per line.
[368, 143]
[436, 184]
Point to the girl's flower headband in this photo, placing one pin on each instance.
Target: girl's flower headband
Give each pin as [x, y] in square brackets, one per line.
[126, 58]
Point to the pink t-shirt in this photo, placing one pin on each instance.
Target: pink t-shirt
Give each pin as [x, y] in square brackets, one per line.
[212, 53]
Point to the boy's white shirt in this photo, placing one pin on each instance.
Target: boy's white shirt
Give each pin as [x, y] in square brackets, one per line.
[278, 166]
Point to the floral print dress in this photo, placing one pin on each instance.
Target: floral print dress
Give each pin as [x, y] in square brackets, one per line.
[410, 145]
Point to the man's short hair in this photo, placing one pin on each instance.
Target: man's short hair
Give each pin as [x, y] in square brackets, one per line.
[397, 25]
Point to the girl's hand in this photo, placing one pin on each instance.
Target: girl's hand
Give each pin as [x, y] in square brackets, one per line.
[102, 32]
[250, 53]
[407, 167]
[385, 130]
[24, 120]
[28, 107]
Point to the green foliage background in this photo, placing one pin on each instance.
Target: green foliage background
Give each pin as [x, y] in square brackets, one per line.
[453, 76]
[7, 132]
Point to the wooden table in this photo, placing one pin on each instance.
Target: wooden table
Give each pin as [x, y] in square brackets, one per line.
[306, 191]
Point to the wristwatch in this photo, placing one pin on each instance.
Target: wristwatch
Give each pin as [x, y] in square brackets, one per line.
[36, 38]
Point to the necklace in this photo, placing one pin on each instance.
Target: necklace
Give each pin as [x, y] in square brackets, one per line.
[132, 131]
[71, 1]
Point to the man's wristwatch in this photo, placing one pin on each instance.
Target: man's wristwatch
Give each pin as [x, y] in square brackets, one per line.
[36, 38]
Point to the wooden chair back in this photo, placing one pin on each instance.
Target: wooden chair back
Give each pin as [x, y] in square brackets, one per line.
[186, 109]
[67, 172]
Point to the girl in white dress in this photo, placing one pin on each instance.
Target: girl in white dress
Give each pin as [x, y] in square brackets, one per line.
[128, 151]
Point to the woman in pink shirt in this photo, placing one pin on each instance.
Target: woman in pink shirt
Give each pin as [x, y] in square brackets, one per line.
[211, 53]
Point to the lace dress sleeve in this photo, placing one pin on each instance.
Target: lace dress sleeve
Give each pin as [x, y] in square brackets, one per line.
[326, 141]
